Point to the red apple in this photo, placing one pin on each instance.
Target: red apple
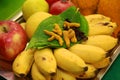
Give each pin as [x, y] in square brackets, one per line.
[50, 2]
[60, 6]
[13, 40]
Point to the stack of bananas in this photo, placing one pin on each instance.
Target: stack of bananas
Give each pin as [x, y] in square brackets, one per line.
[80, 61]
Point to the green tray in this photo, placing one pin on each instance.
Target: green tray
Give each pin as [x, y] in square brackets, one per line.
[9, 8]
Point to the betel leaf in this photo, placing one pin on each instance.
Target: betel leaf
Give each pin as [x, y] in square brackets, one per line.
[40, 39]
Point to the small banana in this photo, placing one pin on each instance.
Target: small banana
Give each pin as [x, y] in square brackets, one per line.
[23, 62]
[45, 61]
[103, 63]
[62, 75]
[90, 73]
[89, 53]
[69, 61]
[95, 18]
[36, 74]
[48, 77]
[106, 42]
[99, 24]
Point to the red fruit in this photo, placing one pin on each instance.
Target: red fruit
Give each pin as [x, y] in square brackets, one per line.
[60, 6]
[50, 2]
[13, 39]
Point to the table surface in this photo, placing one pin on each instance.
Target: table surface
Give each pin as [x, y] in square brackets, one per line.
[10, 7]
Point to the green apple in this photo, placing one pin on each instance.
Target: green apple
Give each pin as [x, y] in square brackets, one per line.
[33, 22]
[31, 6]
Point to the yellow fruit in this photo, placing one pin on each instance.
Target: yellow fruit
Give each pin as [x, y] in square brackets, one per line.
[90, 73]
[45, 61]
[89, 53]
[63, 75]
[100, 24]
[33, 22]
[31, 6]
[36, 74]
[105, 42]
[68, 61]
[103, 63]
[23, 62]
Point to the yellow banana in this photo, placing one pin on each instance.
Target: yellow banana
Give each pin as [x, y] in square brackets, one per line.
[48, 77]
[90, 73]
[89, 53]
[62, 75]
[23, 62]
[36, 74]
[103, 63]
[69, 61]
[106, 42]
[99, 25]
[45, 61]
[95, 18]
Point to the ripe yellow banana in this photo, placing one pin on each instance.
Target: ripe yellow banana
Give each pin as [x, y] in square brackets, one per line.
[62, 75]
[95, 18]
[23, 62]
[45, 61]
[48, 77]
[36, 74]
[103, 63]
[106, 42]
[89, 53]
[90, 73]
[100, 25]
[69, 61]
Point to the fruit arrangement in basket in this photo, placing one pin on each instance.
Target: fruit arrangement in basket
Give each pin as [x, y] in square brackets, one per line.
[54, 43]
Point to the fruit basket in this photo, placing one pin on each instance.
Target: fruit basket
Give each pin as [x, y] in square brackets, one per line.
[113, 54]
[101, 74]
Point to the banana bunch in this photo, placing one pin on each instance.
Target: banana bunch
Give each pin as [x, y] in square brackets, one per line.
[46, 62]
[80, 61]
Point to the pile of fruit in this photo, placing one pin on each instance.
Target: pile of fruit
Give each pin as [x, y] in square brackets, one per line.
[56, 42]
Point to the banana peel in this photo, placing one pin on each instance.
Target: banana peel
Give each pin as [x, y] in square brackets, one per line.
[23, 62]
[70, 62]
[89, 53]
[45, 61]
[103, 63]
[105, 42]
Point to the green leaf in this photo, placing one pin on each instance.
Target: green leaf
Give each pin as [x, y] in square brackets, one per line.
[40, 39]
